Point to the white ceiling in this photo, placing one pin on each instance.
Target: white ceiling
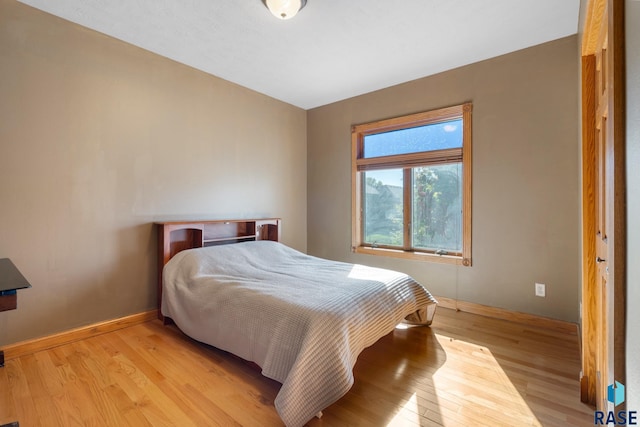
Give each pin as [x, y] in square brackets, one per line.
[333, 49]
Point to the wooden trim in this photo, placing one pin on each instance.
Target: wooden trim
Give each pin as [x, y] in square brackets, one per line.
[44, 343]
[449, 155]
[418, 252]
[617, 104]
[398, 253]
[412, 120]
[592, 26]
[407, 208]
[356, 193]
[467, 184]
[450, 303]
[589, 270]
[512, 316]
[603, 304]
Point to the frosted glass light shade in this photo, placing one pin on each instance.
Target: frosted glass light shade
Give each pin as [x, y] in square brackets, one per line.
[285, 9]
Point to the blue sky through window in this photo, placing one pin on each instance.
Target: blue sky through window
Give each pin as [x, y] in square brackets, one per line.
[437, 136]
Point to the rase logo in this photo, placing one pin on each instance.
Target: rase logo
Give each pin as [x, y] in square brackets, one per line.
[615, 395]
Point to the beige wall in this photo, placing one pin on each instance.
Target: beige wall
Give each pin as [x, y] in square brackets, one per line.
[525, 178]
[98, 139]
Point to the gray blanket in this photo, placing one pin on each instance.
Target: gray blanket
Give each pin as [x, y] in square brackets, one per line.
[303, 320]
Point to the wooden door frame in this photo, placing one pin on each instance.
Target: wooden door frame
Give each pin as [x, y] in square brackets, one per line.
[613, 12]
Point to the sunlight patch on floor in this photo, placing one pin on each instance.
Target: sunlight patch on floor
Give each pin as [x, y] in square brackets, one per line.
[408, 415]
[486, 392]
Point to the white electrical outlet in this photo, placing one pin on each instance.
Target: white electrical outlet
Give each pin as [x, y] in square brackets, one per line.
[541, 290]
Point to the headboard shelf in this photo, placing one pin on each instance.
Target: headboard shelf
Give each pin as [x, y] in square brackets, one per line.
[176, 236]
[225, 239]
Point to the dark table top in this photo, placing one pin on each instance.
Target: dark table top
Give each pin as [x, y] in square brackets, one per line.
[10, 276]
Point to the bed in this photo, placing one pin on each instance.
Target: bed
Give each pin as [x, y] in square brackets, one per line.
[303, 320]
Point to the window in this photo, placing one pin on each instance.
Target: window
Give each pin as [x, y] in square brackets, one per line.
[412, 186]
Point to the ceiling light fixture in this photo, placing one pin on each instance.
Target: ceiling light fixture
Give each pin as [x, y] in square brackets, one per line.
[284, 9]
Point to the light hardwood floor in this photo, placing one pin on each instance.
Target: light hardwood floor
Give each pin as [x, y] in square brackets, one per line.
[465, 370]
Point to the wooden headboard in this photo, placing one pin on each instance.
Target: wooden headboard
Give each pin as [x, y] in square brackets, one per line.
[176, 236]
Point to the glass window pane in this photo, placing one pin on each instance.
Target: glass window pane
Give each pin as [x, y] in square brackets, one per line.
[437, 136]
[437, 208]
[383, 207]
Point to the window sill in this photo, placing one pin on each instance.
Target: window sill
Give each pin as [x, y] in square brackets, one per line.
[421, 256]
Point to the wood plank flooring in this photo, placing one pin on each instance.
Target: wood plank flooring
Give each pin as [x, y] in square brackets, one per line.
[465, 370]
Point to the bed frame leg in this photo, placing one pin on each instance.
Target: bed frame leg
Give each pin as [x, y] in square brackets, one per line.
[319, 414]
